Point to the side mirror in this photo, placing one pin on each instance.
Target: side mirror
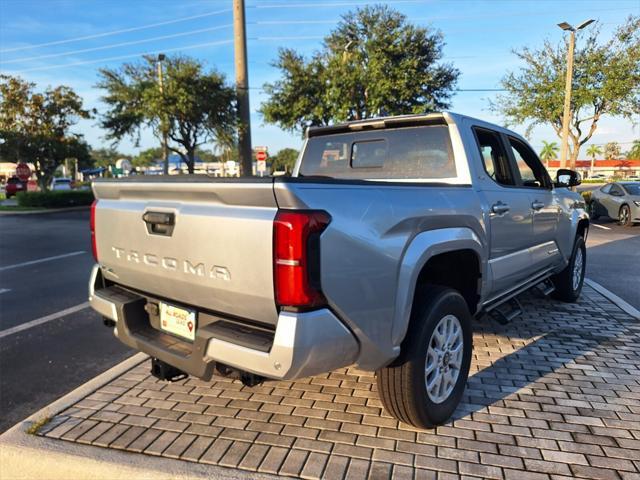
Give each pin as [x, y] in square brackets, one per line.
[568, 178]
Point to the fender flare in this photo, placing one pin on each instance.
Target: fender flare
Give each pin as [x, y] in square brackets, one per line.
[422, 248]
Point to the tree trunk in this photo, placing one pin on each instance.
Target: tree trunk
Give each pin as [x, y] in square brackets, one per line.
[573, 157]
[191, 160]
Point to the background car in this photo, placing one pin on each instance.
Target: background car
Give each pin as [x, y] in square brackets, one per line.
[619, 200]
[61, 184]
[598, 176]
[14, 185]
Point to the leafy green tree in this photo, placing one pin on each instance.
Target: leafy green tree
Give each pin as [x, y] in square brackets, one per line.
[612, 151]
[207, 156]
[35, 127]
[146, 157]
[284, 160]
[374, 63]
[105, 157]
[549, 151]
[605, 82]
[195, 107]
[634, 153]
[593, 151]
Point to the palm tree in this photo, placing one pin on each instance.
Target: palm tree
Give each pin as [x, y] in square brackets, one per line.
[592, 151]
[549, 151]
[634, 153]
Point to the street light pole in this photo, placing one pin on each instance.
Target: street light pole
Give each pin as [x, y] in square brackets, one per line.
[242, 89]
[163, 124]
[566, 116]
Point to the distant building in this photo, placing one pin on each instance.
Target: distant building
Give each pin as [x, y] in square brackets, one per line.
[177, 166]
[609, 168]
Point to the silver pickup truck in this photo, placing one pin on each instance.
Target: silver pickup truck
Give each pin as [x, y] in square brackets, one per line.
[389, 237]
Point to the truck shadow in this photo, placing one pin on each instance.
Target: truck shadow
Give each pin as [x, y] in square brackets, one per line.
[549, 352]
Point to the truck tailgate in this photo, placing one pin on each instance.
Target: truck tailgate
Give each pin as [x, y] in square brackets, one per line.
[217, 255]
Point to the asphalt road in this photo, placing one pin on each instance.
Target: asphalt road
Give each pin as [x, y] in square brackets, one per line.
[44, 267]
[42, 363]
[613, 258]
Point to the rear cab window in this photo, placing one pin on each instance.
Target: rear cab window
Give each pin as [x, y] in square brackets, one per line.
[407, 153]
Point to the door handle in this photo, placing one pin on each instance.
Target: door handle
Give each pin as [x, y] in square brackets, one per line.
[536, 205]
[159, 223]
[500, 208]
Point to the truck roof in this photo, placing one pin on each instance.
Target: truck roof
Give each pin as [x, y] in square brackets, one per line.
[433, 118]
[436, 118]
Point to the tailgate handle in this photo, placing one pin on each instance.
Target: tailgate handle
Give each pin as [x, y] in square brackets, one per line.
[159, 223]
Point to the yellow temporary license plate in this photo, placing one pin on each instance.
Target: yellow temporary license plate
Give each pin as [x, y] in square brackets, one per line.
[178, 321]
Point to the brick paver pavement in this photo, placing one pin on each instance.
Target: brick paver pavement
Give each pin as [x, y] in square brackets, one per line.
[555, 394]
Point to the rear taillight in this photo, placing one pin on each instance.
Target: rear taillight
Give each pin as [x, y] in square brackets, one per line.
[92, 225]
[296, 236]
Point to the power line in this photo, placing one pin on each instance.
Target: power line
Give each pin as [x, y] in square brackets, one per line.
[116, 45]
[115, 32]
[122, 57]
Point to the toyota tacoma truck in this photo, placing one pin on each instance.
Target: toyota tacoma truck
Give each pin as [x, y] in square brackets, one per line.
[391, 235]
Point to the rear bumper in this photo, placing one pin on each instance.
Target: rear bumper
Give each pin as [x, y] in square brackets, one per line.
[302, 345]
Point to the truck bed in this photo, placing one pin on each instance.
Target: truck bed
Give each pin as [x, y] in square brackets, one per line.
[217, 255]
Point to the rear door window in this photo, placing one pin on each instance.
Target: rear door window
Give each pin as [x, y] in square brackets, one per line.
[494, 157]
[419, 153]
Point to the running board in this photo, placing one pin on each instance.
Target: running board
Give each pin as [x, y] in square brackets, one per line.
[504, 317]
[546, 287]
[494, 303]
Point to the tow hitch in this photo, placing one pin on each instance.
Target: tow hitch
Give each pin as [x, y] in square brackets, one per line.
[163, 371]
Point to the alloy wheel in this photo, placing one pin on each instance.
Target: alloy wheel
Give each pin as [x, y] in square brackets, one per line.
[444, 359]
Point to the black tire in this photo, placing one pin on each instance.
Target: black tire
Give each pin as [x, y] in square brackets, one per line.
[402, 385]
[566, 290]
[624, 216]
[593, 210]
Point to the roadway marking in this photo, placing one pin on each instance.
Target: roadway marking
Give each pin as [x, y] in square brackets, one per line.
[4, 290]
[41, 260]
[41, 320]
[600, 226]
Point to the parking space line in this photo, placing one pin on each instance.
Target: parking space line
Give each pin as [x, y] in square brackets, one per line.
[41, 260]
[600, 226]
[4, 290]
[41, 320]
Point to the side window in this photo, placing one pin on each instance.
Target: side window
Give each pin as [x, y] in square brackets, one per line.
[606, 188]
[493, 156]
[532, 172]
[616, 190]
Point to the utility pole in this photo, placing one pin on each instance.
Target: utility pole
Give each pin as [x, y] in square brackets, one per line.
[566, 116]
[163, 120]
[242, 89]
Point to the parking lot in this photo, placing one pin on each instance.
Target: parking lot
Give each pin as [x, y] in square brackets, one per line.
[555, 393]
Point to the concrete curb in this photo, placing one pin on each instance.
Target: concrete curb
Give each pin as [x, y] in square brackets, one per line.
[45, 211]
[25, 456]
[613, 298]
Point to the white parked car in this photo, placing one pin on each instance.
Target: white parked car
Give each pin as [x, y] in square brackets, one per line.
[61, 184]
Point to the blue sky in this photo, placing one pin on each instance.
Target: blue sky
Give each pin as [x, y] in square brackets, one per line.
[53, 42]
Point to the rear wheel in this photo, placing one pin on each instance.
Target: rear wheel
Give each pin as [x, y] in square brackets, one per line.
[624, 216]
[569, 281]
[593, 210]
[425, 384]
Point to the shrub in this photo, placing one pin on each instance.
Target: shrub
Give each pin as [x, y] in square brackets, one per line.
[587, 196]
[55, 199]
